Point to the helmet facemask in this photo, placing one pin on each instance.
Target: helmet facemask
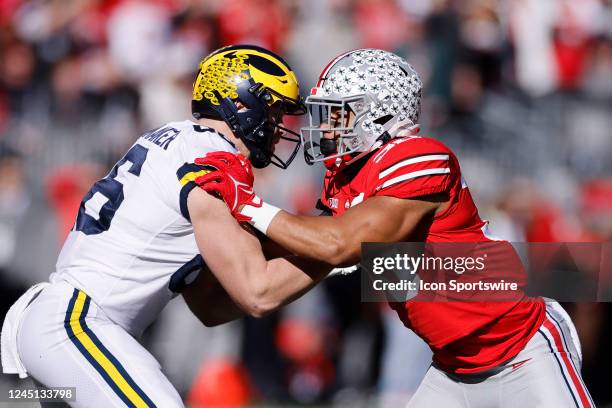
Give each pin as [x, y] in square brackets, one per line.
[257, 121]
[331, 116]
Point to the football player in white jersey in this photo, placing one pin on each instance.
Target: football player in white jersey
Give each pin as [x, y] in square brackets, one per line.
[142, 235]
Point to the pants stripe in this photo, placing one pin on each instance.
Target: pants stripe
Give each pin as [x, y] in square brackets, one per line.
[560, 367]
[99, 356]
[565, 343]
[574, 375]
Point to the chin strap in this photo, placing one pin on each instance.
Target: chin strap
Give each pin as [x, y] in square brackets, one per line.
[404, 128]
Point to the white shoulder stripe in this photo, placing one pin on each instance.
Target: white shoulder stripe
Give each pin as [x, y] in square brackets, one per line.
[414, 174]
[412, 160]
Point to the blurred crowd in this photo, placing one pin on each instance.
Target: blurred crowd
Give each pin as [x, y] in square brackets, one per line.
[520, 89]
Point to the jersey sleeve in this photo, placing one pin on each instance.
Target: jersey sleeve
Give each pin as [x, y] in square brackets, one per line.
[196, 142]
[186, 175]
[413, 168]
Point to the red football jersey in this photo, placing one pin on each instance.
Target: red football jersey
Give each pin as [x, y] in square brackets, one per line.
[465, 337]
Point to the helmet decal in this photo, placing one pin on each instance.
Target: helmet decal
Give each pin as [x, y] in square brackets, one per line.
[376, 71]
[223, 74]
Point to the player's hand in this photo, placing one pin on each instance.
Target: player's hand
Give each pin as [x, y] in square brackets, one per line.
[237, 165]
[232, 181]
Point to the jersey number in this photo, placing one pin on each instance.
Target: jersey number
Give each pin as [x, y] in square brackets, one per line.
[103, 200]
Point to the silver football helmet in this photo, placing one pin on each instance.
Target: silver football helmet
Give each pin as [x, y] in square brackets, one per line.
[379, 88]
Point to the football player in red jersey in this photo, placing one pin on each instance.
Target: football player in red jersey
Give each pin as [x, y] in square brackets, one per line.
[387, 184]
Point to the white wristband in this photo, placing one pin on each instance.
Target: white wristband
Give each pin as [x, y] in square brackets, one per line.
[261, 217]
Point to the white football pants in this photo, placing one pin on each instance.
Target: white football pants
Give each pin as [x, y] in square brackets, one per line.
[545, 374]
[66, 340]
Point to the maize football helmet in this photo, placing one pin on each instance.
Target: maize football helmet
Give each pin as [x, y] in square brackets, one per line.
[266, 88]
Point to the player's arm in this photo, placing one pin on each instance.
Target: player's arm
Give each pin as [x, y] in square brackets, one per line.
[270, 248]
[235, 258]
[338, 239]
[209, 301]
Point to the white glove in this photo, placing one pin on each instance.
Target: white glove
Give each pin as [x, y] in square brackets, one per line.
[343, 271]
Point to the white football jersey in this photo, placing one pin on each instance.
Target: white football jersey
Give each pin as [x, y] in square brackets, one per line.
[132, 247]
